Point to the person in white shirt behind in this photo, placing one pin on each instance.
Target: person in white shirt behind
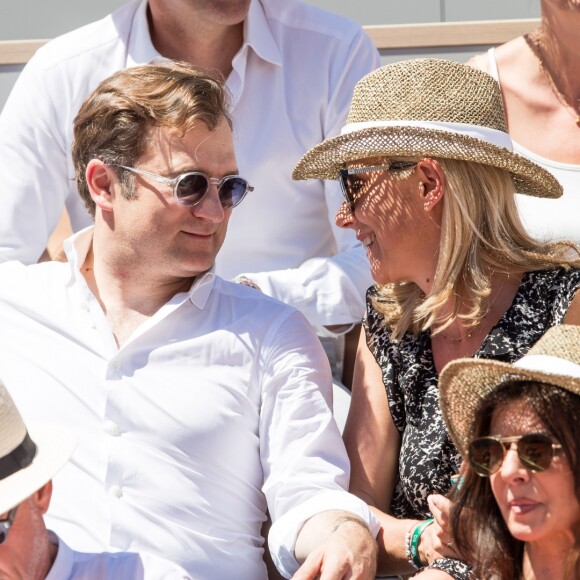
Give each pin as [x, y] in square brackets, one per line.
[28, 551]
[199, 403]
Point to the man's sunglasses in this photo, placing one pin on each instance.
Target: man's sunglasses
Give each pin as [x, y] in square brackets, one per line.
[352, 187]
[6, 524]
[535, 452]
[189, 188]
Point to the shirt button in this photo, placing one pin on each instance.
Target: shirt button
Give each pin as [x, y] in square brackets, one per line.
[115, 430]
[116, 491]
[116, 365]
[84, 306]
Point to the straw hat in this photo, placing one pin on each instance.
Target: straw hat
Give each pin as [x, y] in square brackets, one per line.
[464, 383]
[28, 459]
[427, 108]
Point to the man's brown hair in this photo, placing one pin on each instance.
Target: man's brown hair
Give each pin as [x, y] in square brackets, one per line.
[115, 120]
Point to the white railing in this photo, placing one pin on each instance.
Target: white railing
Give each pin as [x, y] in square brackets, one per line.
[385, 37]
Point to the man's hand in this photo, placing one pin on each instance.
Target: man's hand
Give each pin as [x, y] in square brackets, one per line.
[347, 551]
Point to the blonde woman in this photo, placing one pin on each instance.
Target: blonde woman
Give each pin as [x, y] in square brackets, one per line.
[429, 178]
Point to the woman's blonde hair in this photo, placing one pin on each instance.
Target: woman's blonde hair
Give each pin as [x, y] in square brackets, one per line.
[481, 233]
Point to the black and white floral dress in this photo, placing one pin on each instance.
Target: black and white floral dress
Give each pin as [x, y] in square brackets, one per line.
[427, 457]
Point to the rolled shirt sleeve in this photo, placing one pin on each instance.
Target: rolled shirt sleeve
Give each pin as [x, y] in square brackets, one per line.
[306, 467]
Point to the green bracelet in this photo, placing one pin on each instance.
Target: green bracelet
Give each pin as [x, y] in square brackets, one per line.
[415, 541]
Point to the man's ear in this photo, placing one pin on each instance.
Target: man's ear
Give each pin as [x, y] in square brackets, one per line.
[41, 497]
[100, 181]
[432, 185]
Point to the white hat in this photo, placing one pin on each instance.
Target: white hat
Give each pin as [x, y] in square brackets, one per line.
[427, 107]
[464, 383]
[28, 458]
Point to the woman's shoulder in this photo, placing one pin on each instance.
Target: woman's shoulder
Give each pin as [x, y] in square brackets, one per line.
[379, 334]
[542, 301]
[546, 286]
[551, 290]
[513, 53]
[553, 278]
[374, 320]
[508, 57]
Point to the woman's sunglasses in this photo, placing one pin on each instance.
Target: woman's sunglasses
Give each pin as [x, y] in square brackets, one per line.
[353, 186]
[6, 524]
[535, 452]
[189, 188]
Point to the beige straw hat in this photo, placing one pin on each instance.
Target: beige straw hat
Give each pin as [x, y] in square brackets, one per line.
[427, 108]
[28, 459]
[464, 383]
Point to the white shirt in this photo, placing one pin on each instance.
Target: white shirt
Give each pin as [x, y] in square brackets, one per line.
[291, 83]
[72, 565]
[214, 409]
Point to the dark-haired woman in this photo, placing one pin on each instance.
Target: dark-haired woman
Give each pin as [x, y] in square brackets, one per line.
[517, 512]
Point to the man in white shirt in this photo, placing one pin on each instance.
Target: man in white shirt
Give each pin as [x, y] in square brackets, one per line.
[291, 69]
[28, 551]
[199, 403]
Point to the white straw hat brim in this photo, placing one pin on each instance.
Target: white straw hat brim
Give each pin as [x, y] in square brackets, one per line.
[465, 383]
[325, 160]
[55, 444]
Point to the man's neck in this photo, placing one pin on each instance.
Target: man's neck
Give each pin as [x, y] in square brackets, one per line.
[186, 35]
[52, 552]
[127, 296]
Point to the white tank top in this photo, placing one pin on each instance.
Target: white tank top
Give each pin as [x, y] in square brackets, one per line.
[548, 219]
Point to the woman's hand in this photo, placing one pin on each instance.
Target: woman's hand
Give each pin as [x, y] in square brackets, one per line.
[436, 540]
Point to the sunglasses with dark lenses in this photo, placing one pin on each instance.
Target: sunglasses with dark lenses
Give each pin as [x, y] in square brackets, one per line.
[353, 186]
[6, 524]
[189, 188]
[535, 452]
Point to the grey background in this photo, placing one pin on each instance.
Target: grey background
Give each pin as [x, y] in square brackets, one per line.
[42, 19]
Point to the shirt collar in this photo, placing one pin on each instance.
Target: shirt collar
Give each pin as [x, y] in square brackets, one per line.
[258, 35]
[140, 49]
[63, 564]
[77, 247]
[201, 288]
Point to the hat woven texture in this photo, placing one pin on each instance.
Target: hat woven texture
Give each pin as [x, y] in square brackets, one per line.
[464, 383]
[426, 90]
[54, 443]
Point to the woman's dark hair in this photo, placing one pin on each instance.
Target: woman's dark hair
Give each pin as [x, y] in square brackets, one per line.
[477, 524]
